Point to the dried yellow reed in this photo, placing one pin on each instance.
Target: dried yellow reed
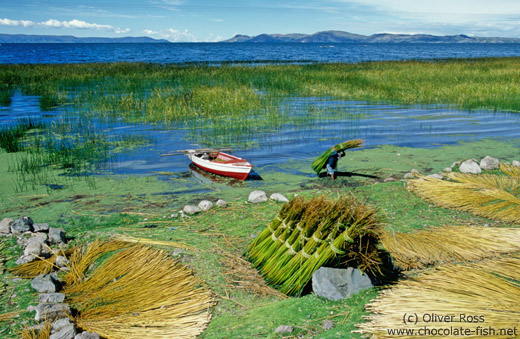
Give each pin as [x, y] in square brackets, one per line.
[511, 170]
[450, 302]
[449, 244]
[144, 241]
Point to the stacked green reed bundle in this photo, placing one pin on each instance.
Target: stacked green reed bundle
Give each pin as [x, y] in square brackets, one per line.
[307, 234]
[317, 165]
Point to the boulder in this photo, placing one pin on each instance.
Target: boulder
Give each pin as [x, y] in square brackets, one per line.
[57, 235]
[339, 283]
[51, 311]
[489, 163]
[205, 205]
[42, 227]
[87, 335]
[51, 298]
[67, 332]
[190, 209]
[257, 196]
[221, 203]
[34, 247]
[21, 225]
[278, 197]
[470, 166]
[5, 226]
[45, 283]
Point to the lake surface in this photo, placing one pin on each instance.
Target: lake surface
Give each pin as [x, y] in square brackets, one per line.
[217, 53]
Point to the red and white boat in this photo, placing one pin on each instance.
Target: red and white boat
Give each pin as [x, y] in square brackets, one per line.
[220, 163]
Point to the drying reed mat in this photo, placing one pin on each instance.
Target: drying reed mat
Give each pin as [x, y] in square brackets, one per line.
[478, 300]
[307, 234]
[449, 244]
[488, 195]
[317, 165]
[137, 292]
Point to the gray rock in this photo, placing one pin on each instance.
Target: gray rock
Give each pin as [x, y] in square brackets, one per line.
[51, 311]
[338, 283]
[87, 335]
[61, 261]
[34, 247]
[51, 298]
[45, 283]
[278, 197]
[5, 226]
[448, 170]
[25, 259]
[221, 203]
[470, 166]
[43, 227]
[21, 225]
[436, 176]
[516, 163]
[257, 197]
[389, 179]
[327, 324]
[205, 205]
[57, 235]
[190, 209]
[67, 332]
[489, 163]
[60, 323]
[284, 329]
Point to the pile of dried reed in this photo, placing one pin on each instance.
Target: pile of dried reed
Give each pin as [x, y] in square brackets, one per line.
[317, 165]
[138, 292]
[307, 234]
[475, 297]
[39, 266]
[487, 195]
[450, 244]
[510, 170]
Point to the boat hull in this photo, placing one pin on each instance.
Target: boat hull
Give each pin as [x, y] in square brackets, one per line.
[235, 167]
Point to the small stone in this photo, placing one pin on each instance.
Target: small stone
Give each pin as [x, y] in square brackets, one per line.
[489, 163]
[327, 324]
[389, 179]
[25, 259]
[57, 235]
[52, 298]
[284, 329]
[414, 172]
[257, 196]
[278, 197]
[45, 283]
[516, 163]
[5, 226]
[174, 215]
[221, 203]
[448, 169]
[43, 227]
[60, 323]
[205, 205]
[339, 283]
[51, 311]
[67, 332]
[190, 209]
[21, 225]
[470, 166]
[34, 247]
[87, 335]
[455, 164]
[408, 176]
[436, 176]
[61, 261]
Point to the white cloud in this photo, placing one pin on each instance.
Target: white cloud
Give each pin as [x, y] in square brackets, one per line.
[52, 23]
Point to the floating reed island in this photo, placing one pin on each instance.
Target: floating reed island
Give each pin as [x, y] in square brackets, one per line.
[308, 234]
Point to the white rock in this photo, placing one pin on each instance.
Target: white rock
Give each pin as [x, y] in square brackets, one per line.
[489, 163]
[257, 196]
[414, 171]
[190, 209]
[205, 205]
[448, 169]
[389, 179]
[436, 176]
[470, 166]
[5, 226]
[408, 176]
[221, 203]
[516, 163]
[278, 197]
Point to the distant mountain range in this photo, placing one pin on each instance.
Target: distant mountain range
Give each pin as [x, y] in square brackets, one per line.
[23, 38]
[346, 37]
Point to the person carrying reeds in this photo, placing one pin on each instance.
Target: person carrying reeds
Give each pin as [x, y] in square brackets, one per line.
[332, 162]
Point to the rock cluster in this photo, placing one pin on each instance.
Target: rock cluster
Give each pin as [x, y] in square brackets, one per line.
[472, 166]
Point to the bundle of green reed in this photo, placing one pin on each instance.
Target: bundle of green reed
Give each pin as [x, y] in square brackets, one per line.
[479, 298]
[491, 196]
[307, 234]
[318, 164]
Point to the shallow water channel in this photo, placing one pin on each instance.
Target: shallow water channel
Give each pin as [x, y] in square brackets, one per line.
[337, 121]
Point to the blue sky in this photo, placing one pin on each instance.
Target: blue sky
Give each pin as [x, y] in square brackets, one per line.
[204, 20]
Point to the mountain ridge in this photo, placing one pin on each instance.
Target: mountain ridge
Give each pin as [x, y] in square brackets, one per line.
[33, 38]
[346, 37]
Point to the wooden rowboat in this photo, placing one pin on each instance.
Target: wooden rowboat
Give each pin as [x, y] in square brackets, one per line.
[220, 163]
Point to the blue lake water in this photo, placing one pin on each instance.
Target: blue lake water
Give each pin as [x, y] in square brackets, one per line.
[216, 53]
